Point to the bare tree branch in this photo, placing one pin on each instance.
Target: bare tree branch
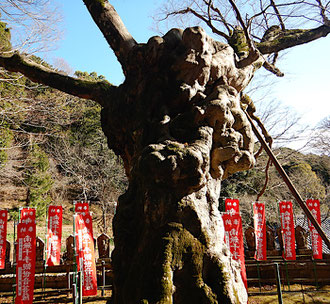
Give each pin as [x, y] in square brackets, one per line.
[208, 21]
[325, 19]
[290, 38]
[36, 24]
[278, 14]
[96, 91]
[210, 5]
[112, 27]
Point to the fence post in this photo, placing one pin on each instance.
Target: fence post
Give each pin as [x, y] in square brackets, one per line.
[103, 277]
[278, 283]
[315, 273]
[80, 279]
[68, 274]
[74, 293]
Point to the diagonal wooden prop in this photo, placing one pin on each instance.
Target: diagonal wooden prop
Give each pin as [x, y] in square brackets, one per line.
[288, 182]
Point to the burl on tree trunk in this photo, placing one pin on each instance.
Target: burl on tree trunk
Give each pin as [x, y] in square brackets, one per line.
[180, 129]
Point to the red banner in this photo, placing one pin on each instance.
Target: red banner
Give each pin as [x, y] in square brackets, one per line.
[85, 250]
[81, 207]
[232, 205]
[26, 260]
[54, 235]
[27, 215]
[3, 236]
[314, 207]
[288, 233]
[260, 231]
[234, 240]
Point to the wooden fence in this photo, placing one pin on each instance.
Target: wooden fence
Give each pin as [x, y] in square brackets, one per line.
[304, 270]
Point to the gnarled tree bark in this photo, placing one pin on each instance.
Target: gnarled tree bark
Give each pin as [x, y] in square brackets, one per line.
[180, 131]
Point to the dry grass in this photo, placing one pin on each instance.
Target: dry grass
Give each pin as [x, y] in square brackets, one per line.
[62, 298]
[310, 296]
[295, 296]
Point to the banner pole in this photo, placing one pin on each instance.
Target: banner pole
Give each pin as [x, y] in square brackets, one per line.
[14, 261]
[258, 270]
[315, 274]
[45, 251]
[288, 182]
[74, 259]
[80, 279]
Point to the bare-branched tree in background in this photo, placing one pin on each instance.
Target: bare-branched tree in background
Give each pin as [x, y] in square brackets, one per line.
[320, 140]
[35, 24]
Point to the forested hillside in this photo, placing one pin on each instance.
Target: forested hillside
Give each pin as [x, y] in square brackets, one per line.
[52, 148]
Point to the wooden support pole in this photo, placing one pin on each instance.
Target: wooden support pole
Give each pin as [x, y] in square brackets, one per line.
[288, 182]
[278, 284]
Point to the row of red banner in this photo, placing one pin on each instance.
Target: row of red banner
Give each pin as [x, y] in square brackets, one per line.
[54, 231]
[234, 232]
[84, 243]
[287, 227]
[26, 247]
[26, 241]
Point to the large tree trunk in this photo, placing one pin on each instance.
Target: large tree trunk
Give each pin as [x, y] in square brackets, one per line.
[179, 127]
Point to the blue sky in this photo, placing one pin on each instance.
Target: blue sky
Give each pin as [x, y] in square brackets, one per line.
[305, 86]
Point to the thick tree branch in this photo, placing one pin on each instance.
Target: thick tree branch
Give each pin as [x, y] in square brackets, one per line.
[112, 27]
[273, 69]
[290, 38]
[97, 91]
